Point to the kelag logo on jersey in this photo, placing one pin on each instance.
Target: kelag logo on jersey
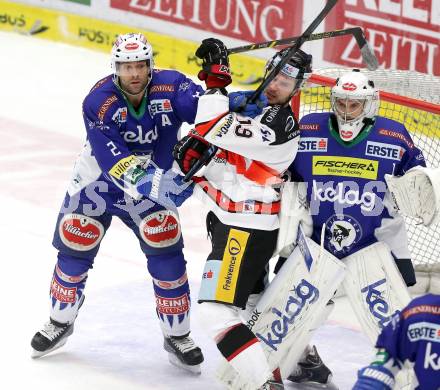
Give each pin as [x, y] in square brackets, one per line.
[345, 166]
[344, 195]
[388, 151]
[158, 106]
[313, 144]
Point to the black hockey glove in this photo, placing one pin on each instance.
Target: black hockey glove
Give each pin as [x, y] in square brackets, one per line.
[188, 150]
[215, 69]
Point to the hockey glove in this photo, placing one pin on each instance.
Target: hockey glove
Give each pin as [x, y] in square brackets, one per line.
[238, 103]
[374, 377]
[188, 150]
[215, 68]
[166, 188]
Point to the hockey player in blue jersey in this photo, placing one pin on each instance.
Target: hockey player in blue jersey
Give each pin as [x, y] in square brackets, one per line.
[132, 120]
[343, 157]
[412, 336]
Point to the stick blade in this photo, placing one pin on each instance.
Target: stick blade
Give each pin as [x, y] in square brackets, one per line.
[369, 57]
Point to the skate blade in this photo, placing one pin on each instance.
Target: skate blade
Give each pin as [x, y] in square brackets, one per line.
[196, 370]
[37, 354]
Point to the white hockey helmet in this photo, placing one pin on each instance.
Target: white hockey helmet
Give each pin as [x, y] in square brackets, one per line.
[355, 102]
[131, 47]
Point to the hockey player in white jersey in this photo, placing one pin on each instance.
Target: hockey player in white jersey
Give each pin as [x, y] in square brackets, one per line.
[239, 186]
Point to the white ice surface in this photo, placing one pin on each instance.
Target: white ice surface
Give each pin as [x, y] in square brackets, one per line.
[117, 342]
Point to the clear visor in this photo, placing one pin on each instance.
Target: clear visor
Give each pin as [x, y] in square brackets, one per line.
[349, 109]
[132, 68]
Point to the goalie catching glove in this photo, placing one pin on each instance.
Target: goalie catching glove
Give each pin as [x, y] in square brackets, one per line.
[215, 68]
[417, 193]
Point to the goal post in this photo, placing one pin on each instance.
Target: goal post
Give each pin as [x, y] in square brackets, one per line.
[413, 99]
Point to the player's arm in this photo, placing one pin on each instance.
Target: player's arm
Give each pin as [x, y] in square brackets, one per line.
[414, 187]
[186, 97]
[215, 72]
[135, 177]
[264, 138]
[381, 373]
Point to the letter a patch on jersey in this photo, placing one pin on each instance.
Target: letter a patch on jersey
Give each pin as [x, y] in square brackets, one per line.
[230, 268]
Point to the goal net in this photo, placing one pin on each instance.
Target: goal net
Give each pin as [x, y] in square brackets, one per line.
[413, 99]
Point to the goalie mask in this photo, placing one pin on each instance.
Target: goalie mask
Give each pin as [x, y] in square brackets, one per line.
[131, 47]
[298, 67]
[355, 102]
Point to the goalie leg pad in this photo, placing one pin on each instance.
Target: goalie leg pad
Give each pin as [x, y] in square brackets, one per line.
[287, 312]
[376, 290]
[293, 212]
[374, 287]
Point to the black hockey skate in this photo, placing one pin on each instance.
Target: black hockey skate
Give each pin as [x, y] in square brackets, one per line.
[182, 352]
[53, 336]
[311, 371]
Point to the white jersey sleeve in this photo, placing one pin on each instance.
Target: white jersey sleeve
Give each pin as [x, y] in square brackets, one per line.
[265, 138]
[239, 183]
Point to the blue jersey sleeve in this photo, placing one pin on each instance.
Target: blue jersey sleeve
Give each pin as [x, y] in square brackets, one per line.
[412, 155]
[414, 336]
[186, 98]
[390, 338]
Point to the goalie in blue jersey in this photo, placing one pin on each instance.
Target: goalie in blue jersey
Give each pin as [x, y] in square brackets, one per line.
[342, 160]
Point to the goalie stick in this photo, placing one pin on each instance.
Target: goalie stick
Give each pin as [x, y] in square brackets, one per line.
[210, 152]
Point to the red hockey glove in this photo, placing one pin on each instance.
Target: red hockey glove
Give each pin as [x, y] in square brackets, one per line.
[188, 150]
[215, 69]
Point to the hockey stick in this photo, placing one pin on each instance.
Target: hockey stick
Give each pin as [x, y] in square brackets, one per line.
[210, 152]
[367, 53]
